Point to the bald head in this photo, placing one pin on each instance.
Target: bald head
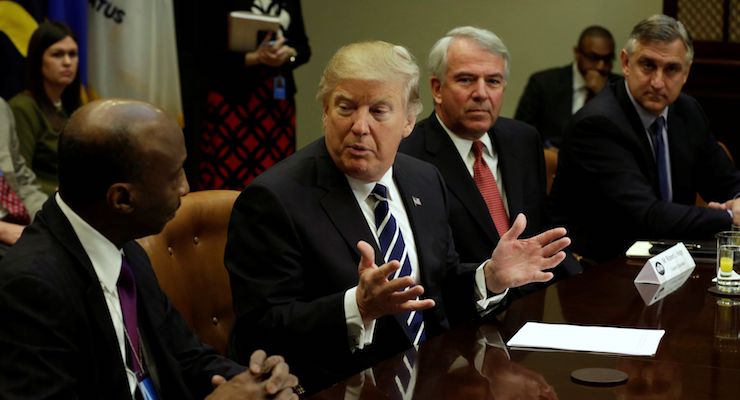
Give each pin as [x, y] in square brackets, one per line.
[109, 141]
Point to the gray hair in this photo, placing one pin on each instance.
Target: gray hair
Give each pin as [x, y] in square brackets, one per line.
[663, 29]
[373, 61]
[486, 39]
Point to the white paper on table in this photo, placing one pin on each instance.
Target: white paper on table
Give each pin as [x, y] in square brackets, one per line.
[598, 339]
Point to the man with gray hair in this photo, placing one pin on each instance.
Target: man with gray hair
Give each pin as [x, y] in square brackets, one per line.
[341, 255]
[493, 166]
[637, 155]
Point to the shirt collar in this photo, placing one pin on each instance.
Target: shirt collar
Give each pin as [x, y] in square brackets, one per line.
[578, 82]
[646, 117]
[464, 146]
[104, 255]
[362, 189]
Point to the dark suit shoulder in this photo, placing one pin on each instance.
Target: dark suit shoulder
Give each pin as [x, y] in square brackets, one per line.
[521, 128]
[552, 74]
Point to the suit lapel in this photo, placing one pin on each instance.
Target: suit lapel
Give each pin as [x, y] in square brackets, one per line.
[62, 230]
[636, 124]
[341, 207]
[456, 175]
[509, 158]
[679, 149]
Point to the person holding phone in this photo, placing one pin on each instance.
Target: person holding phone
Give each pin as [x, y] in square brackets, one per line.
[249, 120]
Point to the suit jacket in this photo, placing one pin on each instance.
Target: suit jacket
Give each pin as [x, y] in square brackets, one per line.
[606, 188]
[291, 254]
[547, 102]
[522, 163]
[58, 339]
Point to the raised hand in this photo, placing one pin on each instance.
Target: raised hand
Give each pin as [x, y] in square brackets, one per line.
[377, 296]
[516, 262]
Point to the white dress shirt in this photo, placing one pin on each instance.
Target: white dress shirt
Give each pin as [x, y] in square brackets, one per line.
[465, 149]
[106, 261]
[580, 91]
[360, 334]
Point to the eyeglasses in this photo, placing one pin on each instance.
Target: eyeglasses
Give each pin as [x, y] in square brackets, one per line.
[593, 57]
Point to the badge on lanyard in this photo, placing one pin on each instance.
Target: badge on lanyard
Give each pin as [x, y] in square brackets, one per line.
[278, 85]
[146, 388]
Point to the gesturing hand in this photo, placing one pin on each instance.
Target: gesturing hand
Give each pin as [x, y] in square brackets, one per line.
[516, 262]
[377, 296]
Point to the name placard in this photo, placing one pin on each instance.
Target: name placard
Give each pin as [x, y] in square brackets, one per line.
[671, 263]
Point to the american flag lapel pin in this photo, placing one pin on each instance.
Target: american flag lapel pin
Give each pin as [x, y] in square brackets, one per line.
[416, 200]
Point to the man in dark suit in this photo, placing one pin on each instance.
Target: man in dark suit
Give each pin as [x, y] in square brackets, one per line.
[637, 155]
[552, 96]
[469, 68]
[82, 313]
[304, 250]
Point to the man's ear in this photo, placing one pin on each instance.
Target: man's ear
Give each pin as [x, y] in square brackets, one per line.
[120, 197]
[624, 59]
[436, 85]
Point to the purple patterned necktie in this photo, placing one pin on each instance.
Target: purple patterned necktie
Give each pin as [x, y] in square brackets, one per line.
[127, 296]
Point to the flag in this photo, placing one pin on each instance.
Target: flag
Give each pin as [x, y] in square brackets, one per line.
[16, 27]
[133, 52]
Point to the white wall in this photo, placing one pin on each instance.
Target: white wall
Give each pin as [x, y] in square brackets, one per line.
[538, 33]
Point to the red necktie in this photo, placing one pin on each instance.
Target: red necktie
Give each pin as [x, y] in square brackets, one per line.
[10, 200]
[487, 186]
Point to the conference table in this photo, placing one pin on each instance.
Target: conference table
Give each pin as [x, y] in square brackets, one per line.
[698, 357]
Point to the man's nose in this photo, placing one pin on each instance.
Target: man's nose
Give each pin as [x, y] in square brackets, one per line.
[480, 91]
[361, 125]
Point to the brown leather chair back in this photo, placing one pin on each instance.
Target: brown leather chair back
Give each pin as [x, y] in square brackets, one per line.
[188, 259]
[551, 166]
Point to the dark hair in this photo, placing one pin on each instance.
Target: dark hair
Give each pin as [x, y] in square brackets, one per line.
[48, 33]
[595, 31]
[90, 164]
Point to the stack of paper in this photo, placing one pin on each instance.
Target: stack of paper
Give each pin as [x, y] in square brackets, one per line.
[599, 339]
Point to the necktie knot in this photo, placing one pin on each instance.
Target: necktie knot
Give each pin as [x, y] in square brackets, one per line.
[656, 128]
[380, 192]
[478, 150]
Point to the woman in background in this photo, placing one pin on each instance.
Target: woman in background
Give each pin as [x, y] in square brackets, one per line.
[52, 94]
[250, 117]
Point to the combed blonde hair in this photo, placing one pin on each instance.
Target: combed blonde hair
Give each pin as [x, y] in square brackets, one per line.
[373, 61]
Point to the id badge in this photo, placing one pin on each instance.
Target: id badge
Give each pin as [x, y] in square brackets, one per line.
[146, 388]
[278, 85]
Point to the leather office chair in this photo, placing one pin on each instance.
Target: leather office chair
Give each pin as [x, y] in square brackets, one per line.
[188, 259]
[551, 166]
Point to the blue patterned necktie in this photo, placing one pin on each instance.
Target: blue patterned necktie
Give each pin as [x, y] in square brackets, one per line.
[393, 247]
[656, 131]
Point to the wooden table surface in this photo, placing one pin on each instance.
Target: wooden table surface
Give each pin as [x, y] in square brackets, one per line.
[698, 357]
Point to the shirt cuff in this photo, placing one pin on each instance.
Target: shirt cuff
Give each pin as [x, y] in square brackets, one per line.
[483, 302]
[359, 335]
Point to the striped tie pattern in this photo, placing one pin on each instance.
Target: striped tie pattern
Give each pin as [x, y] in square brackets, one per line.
[393, 247]
[489, 190]
[405, 377]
